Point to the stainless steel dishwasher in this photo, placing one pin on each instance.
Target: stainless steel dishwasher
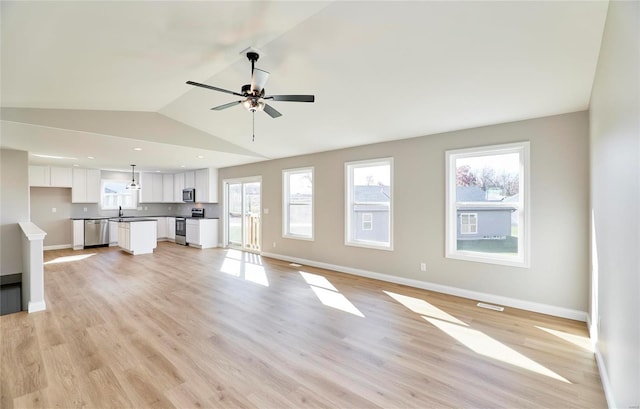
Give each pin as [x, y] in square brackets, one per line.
[96, 232]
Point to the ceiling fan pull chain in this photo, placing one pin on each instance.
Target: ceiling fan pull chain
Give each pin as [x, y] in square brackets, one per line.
[253, 127]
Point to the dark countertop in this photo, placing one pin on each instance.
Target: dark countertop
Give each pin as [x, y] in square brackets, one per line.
[132, 220]
[135, 217]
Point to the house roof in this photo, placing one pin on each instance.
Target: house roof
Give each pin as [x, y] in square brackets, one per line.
[372, 194]
[102, 77]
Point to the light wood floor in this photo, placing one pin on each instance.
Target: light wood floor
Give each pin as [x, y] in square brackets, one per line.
[190, 328]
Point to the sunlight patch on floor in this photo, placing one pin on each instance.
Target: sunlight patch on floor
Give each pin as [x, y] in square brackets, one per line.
[231, 267]
[68, 259]
[317, 280]
[328, 294]
[256, 274]
[582, 342]
[422, 307]
[483, 344]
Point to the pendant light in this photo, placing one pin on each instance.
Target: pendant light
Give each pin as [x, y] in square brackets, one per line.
[133, 185]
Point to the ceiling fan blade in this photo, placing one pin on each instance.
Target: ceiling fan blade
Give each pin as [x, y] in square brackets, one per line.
[225, 106]
[258, 80]
[292, 98]
[197, 84]
[271, 111]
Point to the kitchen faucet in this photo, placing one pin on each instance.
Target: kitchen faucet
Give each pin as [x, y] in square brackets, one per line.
[120, 214]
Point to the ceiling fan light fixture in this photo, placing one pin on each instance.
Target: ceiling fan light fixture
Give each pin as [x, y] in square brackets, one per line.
[132, 185]
[253, 104]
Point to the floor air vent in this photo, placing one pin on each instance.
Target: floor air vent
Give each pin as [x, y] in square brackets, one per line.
[490, 307]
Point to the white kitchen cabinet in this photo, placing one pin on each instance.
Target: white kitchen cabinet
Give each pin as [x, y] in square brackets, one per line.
[207, 185]
[189, 180]
[146, 187]
[50, 176]
[202, 233]
[124, 241]
[138, 236]
[167, 188]
[171, 228]
[39, 176]
[85, 186]
[61, 177]
[161, 228]
[113, 233]
[178, 185]
[151, 188]
[78, 234]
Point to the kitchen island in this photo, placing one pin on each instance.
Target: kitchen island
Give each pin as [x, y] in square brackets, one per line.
[137, 235]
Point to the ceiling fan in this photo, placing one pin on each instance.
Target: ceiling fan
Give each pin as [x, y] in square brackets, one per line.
[254, 94]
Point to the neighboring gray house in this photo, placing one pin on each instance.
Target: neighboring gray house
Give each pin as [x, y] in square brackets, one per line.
[371, 213]
[478, 221]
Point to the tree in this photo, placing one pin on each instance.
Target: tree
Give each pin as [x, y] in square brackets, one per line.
[465, 177]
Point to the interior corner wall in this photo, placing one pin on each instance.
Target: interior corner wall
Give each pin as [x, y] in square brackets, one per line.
[558, 275]
[14, 208]
[615, 205]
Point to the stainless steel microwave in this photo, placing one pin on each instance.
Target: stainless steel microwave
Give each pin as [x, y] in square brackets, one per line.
[189, 195]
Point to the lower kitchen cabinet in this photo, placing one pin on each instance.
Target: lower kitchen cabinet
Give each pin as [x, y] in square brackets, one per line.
[137, 237]
[113, 233]
[202, 233]
[78, 234]
[171, 228]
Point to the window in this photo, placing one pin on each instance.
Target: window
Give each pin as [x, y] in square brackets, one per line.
[487, 211]
[468, 223]
[369, 203]
[367, 221]
[297, 215]
[114, 194]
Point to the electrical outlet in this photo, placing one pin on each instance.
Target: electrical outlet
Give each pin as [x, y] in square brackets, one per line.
[53, 210]
[423, 266]
[85, 209]
[168, 207]
[266, 211]
[274, 244]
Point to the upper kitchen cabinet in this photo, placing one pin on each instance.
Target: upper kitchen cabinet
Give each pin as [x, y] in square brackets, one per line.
[178, 185]
[50, 176]
[206, 184]
[151, 188]
[189, 180]
[167, 188]
[85, 186]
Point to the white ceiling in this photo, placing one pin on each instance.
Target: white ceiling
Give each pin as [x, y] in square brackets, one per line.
[97, 79]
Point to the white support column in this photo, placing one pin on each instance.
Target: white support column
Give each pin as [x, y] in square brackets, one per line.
[33, 267]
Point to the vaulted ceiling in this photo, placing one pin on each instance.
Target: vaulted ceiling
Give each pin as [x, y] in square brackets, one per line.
[99, 79]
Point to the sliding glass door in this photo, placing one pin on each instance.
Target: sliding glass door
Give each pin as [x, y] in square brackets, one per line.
[243, 207]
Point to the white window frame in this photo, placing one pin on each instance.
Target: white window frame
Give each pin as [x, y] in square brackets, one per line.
[133, 193]
[349, 203]
[370, 221]
[285, 203]
[475, 225]
[522, 259]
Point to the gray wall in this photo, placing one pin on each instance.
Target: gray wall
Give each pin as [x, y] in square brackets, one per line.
[14, 208]
[559, 196]
[615, 203]
[57, 224]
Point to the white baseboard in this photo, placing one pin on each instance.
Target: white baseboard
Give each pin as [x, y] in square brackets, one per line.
[57, 247]
[459, 292]
[604, 377]
[37, 306]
